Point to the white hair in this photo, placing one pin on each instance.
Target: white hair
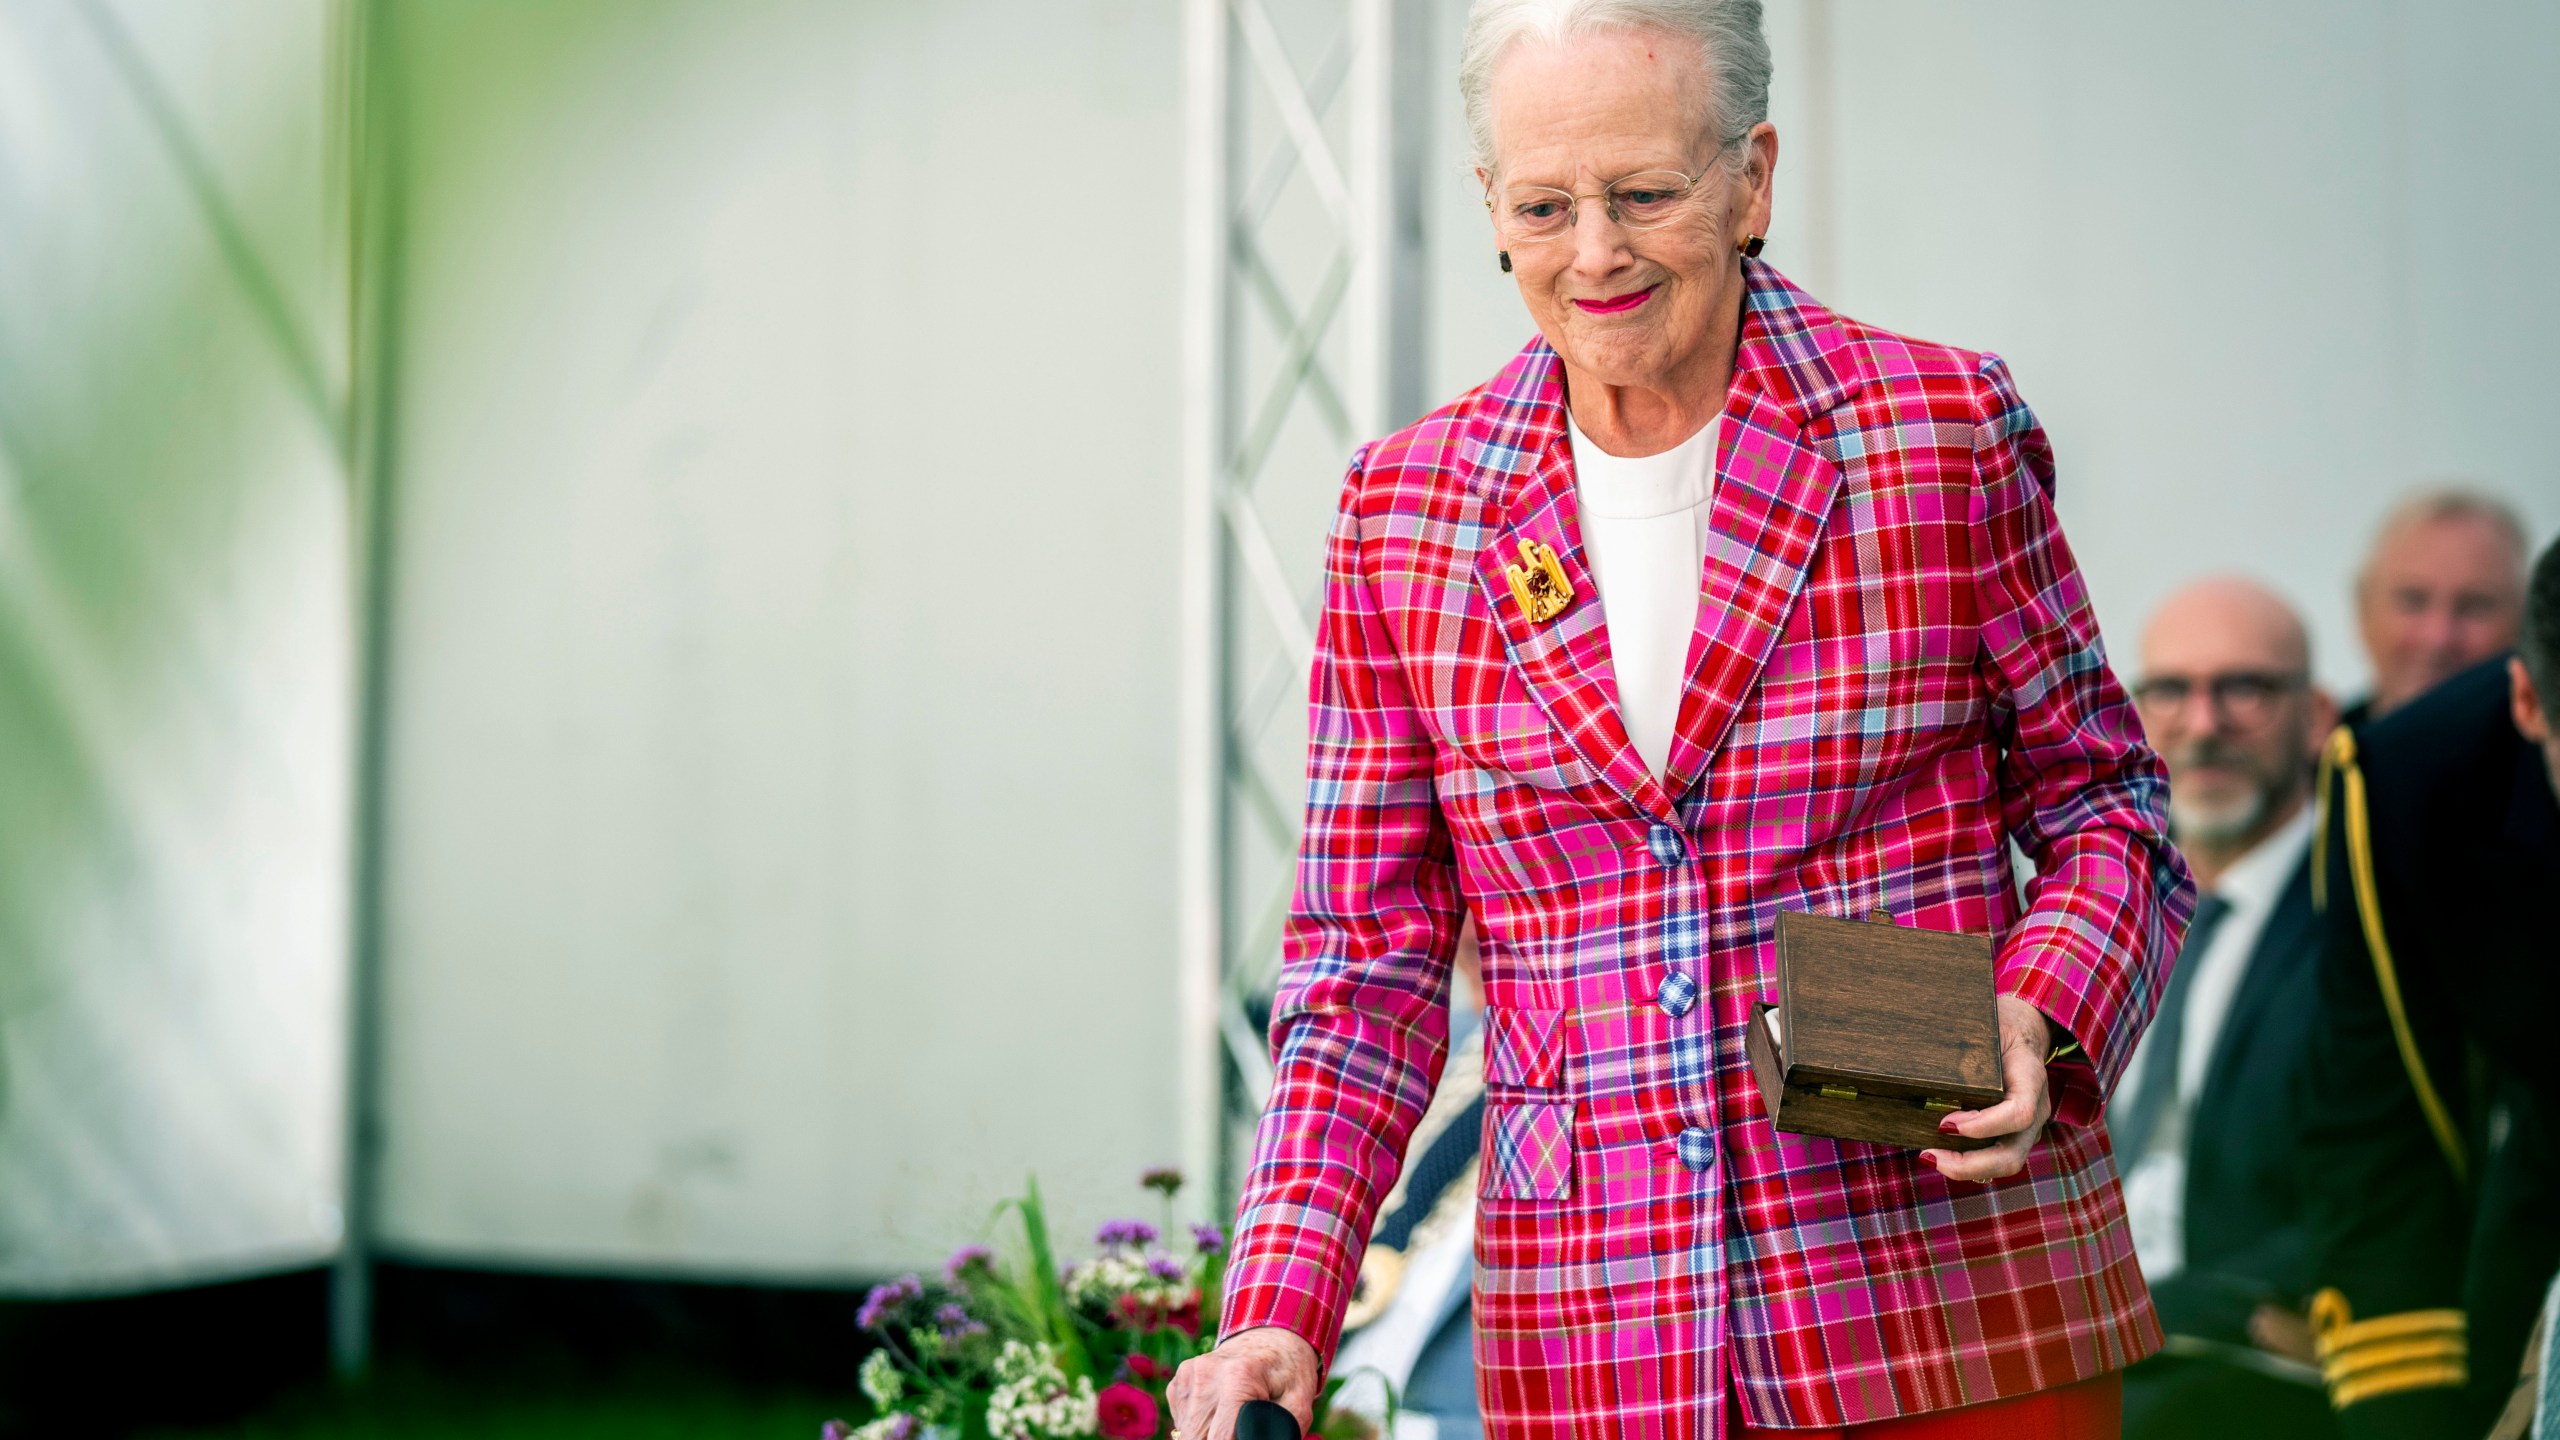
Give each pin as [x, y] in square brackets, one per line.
[1727, 32]
[2438, 504]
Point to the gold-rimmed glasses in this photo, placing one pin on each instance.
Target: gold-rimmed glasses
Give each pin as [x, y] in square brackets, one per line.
[1645, 200]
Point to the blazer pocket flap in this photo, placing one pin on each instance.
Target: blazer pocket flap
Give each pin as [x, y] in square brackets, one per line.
[1528, 1152]
[1523, 1048]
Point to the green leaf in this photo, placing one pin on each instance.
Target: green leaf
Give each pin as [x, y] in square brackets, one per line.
[1055, 1322]
[1333, 1387]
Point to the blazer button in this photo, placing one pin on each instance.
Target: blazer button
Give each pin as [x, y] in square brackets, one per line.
[1677, 993]
[1697, 1149]
[1666, 845]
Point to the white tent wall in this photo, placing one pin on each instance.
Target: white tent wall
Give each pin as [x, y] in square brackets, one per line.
[175, 679]
[780, 813]
[2259, 268]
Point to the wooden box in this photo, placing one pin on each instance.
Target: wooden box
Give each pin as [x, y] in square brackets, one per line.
[1879, 1030]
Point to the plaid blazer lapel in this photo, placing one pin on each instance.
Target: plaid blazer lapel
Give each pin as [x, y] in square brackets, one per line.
[1565, 660]
[1773, 495]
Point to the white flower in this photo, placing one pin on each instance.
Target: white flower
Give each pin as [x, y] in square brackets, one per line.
[1018, 1362]
[1102, 1280]
[880, 1379]
[1032, 1399]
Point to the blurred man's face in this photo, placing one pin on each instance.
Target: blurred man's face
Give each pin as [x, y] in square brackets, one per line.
[2440, 597]
[2227, 703]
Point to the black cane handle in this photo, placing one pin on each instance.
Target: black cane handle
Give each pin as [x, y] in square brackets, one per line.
[1262, 1420]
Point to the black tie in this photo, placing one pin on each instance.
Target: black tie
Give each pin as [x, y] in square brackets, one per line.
[2159, 1088]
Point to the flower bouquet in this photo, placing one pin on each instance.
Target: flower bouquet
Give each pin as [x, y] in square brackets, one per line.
[1032, 1350]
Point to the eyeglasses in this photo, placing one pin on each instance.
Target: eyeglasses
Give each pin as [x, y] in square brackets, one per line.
[2244, 697]
[1646, 200]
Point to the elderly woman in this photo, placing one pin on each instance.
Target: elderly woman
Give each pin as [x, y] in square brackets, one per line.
[1711, 604]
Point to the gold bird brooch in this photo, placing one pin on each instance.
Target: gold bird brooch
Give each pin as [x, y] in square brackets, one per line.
[1538, 583]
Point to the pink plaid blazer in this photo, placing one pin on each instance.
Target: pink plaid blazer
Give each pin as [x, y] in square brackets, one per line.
[1895, 673]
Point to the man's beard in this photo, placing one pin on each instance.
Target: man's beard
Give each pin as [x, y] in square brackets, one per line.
[2195, 821]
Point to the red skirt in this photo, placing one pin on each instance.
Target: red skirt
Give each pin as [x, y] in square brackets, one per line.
[2088, 1410]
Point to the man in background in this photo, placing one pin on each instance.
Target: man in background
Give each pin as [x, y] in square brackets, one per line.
[2205, 1119]
[2442, 591]
[2429, 1172]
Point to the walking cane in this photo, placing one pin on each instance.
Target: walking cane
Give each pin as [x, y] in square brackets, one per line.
[1262, 1420]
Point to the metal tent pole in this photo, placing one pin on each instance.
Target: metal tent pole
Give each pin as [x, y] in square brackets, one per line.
[1209, 131]
[1303, 336]
[374, 185]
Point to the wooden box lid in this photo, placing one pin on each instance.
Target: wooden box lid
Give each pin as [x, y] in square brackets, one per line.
[1903, 1017]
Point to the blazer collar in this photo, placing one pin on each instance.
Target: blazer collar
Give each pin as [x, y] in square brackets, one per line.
[1792, 364]
[1792, 350]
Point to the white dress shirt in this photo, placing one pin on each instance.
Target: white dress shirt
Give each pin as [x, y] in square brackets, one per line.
[2155, 1182]
[1644, 524]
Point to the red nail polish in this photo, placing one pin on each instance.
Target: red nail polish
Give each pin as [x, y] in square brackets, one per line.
[1947, 1127]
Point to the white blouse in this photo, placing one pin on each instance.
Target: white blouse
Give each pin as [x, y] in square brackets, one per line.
[1644, 523]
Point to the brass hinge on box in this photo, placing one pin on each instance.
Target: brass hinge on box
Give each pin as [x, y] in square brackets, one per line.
[1933, 1104]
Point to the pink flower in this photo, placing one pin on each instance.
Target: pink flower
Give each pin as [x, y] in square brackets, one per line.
[1145, 1367]
[1125, 1412]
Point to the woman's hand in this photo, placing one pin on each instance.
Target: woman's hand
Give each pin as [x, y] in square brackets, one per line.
[1265, 1363]
[2026, 1037]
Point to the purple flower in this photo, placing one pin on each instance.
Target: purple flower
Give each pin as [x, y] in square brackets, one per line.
[835, 1430]
[954, 1322]
[902, 1426]
[1165, 1267]
[1125, 1232]
[1209, 1238]
[965, 1260]
[1163, 1178]
[884, 1301]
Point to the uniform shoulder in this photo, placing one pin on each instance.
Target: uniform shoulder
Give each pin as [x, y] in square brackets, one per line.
[2442, 763]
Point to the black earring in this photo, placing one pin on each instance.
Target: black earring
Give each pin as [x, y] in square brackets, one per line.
[1751, 248]
[1506, 262]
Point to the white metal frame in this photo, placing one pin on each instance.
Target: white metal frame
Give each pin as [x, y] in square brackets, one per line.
[1349, 127]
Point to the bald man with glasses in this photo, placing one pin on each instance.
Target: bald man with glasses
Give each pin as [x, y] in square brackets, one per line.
[2203, 1122]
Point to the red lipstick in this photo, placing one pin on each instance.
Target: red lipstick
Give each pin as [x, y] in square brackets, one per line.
[1619, 304]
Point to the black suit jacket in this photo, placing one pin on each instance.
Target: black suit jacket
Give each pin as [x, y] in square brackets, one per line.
[2245, 1237]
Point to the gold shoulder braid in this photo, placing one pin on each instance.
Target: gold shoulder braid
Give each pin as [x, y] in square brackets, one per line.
[2413, 1350]
[2338, 761]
